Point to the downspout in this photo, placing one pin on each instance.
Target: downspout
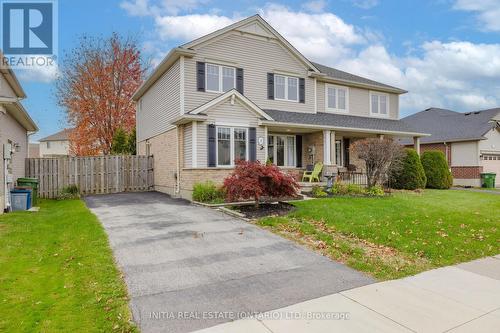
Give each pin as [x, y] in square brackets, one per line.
[177, 151]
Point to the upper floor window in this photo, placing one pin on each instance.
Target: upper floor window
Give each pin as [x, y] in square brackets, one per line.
[379, 104]
[48, 144]
[337, 98]
[232, 143]
[220, 78]
[286, 88]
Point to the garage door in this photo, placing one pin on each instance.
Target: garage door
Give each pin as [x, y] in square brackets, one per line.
[491, 163]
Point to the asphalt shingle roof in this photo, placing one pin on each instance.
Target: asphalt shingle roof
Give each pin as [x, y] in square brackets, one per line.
[59, 136]
[446, 125]
[341, 75]
[340, 120]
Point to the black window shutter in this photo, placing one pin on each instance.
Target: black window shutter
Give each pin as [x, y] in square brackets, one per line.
[252, 140]
[211, 146]
[302, 90]
[239, 80]
[200, 76]
[298, 148]
[270, 86]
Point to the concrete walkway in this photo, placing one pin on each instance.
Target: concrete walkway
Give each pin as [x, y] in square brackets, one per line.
[462, 298]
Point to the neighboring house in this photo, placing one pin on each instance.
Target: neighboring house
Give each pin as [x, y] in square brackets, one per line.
[244, 92]
[55, 145]
[15, 127]
[470, 141]
[34, 150]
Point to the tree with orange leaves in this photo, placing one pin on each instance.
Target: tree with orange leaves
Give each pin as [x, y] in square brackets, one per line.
[95, 88]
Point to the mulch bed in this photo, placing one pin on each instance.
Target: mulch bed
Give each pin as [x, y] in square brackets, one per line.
[265, 209]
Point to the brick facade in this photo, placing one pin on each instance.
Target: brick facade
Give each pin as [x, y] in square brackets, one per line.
[164, 151]
[445, 149]
[467, 172]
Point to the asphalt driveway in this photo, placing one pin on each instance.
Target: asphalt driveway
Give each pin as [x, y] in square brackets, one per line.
[189, 267]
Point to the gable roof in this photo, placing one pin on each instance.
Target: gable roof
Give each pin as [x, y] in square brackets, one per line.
[17, 111]
[339, 75]
[448, 126]
[11, 78]
[186, 50]
[59, 136]
[255, 18]
[344, 122]
[233, 93]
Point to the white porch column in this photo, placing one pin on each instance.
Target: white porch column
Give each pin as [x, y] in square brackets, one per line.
[327, 148]
[416, 144]
[333, 148]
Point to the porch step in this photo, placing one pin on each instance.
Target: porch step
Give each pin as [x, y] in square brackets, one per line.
[306, 187]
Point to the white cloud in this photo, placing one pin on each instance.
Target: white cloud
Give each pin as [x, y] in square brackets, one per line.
[44, 74]
[458, 75]
[365, 4]
[488, 12]
[315, 6]
[189, 27]
[136, 7]
[170, 7]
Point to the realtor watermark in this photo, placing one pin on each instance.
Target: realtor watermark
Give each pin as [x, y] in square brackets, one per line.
[28, 33]
[233, 315]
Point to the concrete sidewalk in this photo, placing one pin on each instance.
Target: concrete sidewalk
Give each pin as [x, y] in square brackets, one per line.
[462, 298]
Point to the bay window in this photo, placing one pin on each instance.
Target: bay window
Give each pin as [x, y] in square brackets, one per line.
[337, 98]
[232, 145]
[281, 150]
[379, 104]
[286, 88]
[220, 78]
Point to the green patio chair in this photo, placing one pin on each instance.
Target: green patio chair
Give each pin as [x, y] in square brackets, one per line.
[313, 175]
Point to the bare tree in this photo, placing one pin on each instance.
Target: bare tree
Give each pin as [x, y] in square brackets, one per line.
[380, 156]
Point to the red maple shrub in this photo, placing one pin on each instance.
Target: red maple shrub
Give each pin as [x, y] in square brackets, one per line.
[253, 180]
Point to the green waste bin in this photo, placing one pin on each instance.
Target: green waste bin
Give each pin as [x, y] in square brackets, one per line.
[30, 182]
[488, 179]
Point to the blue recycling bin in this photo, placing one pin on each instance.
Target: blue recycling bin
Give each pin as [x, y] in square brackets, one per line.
[20, 199]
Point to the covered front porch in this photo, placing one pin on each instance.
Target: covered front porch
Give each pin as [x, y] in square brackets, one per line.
[297, 148]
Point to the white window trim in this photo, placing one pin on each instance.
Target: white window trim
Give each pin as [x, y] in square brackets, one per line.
[275, 149]
[231, 145]
[387, 104]
[221, 88]
[286, 88]
[337, 98]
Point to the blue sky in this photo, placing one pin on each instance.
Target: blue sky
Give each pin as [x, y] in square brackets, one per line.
[445, 52]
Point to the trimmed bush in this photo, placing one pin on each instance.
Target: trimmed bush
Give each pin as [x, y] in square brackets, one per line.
[411, 175]
[208, 193]
[436, 170]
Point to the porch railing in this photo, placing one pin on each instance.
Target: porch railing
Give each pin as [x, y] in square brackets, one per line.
[353, 177]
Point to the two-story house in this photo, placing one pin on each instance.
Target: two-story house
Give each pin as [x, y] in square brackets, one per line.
[56, 145]
[244, 92]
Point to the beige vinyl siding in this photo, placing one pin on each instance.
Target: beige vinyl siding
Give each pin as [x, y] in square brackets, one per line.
[359, 101]
[5, 89]
[188, 145]
[160, 105]
[230, 115]
[257, 56]
[465, 153]
[11, 130]
[491, 144]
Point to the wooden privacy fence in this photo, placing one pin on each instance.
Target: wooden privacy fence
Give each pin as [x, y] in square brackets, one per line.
[92, 175]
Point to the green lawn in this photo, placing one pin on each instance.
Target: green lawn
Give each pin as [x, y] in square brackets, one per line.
[57, 273]
[399, 235]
